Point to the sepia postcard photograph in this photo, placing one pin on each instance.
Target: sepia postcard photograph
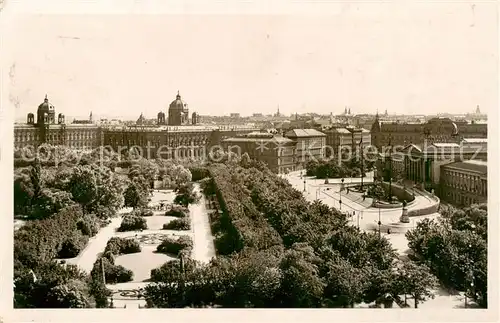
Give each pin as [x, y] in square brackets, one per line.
[214, 156]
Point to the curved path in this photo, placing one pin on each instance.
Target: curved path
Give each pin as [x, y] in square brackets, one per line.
[96, 245]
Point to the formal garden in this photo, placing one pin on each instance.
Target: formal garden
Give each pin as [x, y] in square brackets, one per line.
[65, 202]
[274, 248]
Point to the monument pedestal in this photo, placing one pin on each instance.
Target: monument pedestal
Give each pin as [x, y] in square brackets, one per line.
[404, 216]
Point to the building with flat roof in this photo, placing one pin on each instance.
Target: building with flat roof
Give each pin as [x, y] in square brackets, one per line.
[276, 151]
[310, 145]
[464, 183]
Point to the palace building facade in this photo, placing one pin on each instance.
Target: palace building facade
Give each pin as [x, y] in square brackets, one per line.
[54, 131]
[440, 130]
[178, 136]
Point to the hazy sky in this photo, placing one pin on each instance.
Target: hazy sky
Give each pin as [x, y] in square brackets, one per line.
[407, 59]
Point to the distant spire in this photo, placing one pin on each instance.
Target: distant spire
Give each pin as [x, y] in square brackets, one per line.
[349, 110]
[90, 117]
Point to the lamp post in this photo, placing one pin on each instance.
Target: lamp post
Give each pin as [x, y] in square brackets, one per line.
[470, 273]
[390, 168]
[304, 185]
[361, 153]
[340, 192]
[379, 223]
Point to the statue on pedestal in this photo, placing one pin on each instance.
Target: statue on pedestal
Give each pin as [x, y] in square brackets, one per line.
[404, 216]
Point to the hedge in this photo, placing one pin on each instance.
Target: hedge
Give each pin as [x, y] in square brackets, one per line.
[42, 240]
[178, 224]
[143, 212]
[118, 246]
[178, 211]
[176, 246]
[133, 222]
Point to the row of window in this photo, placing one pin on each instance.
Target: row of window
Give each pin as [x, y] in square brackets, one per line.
[159, 138]
[465, 182]
[462, 199]
[20, 137]
[155, 143]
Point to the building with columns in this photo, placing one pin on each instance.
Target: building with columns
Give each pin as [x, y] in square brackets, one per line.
[464, 182]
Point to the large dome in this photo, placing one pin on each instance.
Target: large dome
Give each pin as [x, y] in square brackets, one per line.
[46, 106]
[178, 104]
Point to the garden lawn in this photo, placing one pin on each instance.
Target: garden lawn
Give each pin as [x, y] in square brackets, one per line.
[142, 262]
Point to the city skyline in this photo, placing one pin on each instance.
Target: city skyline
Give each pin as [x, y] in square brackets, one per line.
[238, 64]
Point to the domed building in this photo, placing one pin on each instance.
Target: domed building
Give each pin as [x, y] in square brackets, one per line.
[46, 113]
[178, 112]
[80, 134]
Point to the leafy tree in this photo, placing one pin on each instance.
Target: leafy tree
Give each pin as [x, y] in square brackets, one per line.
[415, 280]
[73, 294]
[345, 284]
[24, 191]
[135, 195]
[186, 195]
[94, 186]
[51, 285]
[300, 284]
[51, 201]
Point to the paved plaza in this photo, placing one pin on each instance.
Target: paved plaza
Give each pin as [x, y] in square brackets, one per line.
[366, 217]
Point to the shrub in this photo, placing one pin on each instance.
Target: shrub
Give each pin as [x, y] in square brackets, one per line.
[117, 246]
[171, 269]
[89, 225]
[178, 224]
[113, 273]
[144, 212]
[133, 222]
[104, 213]
[175, 246]
[72, 246]
[178, 211]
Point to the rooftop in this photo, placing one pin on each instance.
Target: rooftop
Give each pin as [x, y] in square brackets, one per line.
[475, 140]
[253, 138]
[298, 133]
[470, 165]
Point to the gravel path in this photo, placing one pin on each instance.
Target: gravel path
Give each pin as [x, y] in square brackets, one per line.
[96, 245]
[204, 249]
